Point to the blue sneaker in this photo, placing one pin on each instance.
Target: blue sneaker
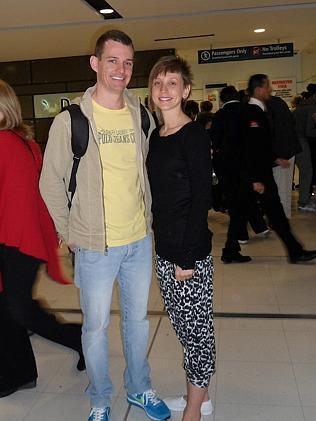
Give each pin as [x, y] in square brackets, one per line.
[99, 414]
[154, 407]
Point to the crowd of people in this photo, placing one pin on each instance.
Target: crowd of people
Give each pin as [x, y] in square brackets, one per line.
[131, 181]
[248, 146]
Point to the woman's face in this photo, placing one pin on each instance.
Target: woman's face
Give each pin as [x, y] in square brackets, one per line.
[1, 116]
[168, 91]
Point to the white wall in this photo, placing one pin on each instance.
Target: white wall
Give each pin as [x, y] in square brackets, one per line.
[235, 71]
[308, 67]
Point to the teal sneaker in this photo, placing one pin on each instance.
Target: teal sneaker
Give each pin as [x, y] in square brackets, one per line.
[99, 414]
[154, 407]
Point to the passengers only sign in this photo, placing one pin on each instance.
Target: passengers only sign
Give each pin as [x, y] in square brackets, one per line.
[256, 52]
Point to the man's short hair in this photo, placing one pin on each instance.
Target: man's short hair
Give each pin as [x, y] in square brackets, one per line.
[229, 93]
[206, 106]
[114, 35]
[256, 81]
[311, 88]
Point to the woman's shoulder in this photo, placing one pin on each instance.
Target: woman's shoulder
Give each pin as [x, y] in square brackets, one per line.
[195, 130]
[11, 135]
[195, 126]
[7, 134]
[13, 143]
[9, 140]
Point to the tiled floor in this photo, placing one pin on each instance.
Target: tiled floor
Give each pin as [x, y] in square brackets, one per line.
[266, 368]
[266, 371]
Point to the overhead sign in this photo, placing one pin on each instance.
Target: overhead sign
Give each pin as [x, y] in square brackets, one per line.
[284, 88]
[255, 52]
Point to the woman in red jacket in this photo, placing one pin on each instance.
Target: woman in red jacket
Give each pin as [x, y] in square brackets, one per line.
[27, 239]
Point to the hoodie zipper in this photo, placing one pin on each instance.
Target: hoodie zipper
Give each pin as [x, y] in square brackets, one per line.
[106, 248]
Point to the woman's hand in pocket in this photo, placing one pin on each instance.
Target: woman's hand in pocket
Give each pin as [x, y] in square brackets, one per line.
[183, 274]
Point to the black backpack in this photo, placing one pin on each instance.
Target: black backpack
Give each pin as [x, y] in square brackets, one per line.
[80, 139]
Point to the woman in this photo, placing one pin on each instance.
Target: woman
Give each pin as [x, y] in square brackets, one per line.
[179, 169]
[27, 239]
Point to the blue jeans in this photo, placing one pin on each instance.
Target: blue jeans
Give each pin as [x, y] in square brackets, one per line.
[95, 274]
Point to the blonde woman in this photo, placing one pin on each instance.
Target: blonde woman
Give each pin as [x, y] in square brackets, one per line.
[27, 239]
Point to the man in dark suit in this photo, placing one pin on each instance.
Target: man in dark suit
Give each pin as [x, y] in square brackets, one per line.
[258, 161]
[285, 146]
[226, 135]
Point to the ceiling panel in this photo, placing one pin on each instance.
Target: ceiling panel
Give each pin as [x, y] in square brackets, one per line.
[17, 13]
[130, 9]
[42, 29]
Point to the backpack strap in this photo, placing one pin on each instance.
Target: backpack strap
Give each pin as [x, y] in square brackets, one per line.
[79, 143]
[145, 120]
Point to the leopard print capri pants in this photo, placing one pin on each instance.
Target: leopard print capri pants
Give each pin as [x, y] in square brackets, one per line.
[189, 305]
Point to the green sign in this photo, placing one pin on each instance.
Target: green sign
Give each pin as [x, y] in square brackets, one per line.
[48, 105]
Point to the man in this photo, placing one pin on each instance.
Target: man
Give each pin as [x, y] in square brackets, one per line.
[285, 146]
[108, 224]
[258, 161]
[303, 159]
[226, 135]
[206, 107]
[311, 127]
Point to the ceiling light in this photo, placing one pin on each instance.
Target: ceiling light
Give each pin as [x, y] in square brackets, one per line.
[106, 11]
[259, 30]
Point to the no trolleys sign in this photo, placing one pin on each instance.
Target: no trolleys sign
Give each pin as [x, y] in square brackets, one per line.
[255, 52]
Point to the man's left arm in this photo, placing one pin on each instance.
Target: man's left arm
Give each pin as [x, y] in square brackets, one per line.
[311, 124]
[57, 158]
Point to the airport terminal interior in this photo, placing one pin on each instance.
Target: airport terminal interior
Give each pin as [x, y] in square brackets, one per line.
[265, 310]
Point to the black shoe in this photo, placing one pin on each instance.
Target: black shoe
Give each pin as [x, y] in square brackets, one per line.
[8, 390]
[81, 365]
[235, 258]
[305, 256]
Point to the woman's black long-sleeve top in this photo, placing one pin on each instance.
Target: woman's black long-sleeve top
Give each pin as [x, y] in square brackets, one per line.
[179, 170]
